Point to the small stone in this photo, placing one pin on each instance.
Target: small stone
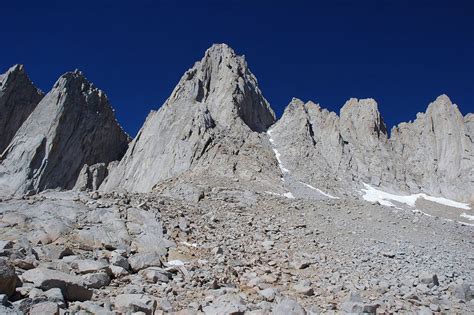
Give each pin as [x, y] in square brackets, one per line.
[118, 271]
[118, 260]
[217, 251]
[268, 244]
[135, 303]
[427, 278]
[304, 288]
[45, 308]
[389, 254]
[144, 260]
[300, 264]
[434, 307]
[268, 294]
[55, 295]
[91, 266]
[155, 275]
[97, 280]
[226, 304]
[288, 306]
[6, 245]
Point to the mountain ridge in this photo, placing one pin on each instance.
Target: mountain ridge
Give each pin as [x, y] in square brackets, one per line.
[215, 122]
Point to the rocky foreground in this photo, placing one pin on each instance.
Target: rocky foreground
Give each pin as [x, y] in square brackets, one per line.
[228, 252]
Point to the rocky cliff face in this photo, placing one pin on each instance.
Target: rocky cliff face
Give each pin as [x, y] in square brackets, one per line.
[433, 154]
[18, 98]
[321, 148]
[211, 124]
[72, 126]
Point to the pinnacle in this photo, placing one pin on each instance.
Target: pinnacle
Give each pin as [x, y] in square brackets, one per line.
[220, 49]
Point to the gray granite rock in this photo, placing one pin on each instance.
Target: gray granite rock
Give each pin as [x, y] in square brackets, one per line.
[73, 287]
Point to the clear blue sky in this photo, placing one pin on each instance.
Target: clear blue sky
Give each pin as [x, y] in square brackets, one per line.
[402, 53]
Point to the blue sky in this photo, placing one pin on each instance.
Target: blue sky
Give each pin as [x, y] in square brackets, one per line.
[402, 53]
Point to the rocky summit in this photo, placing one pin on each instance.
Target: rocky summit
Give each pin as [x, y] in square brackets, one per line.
[217, 207]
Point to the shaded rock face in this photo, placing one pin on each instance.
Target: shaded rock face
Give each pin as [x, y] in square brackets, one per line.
[18, 98]
[433, 154]
[72, 126]
[210, 124]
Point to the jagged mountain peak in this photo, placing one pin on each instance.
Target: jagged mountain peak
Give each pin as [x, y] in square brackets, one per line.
[75, 80]
[72, 126]
[14, 73]
[222, 81]
[361, 117]
[363, 104]
[441, 104]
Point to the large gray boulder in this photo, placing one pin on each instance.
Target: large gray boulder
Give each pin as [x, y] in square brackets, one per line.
[213, 119]
[18, 98]
[72, 126]
[74, 288]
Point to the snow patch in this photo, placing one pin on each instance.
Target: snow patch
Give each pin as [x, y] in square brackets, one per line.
[277, 154]
[467, 216]
[320, 191]
[176, 262]
[374, 195]
[287, 194]
[189, 244]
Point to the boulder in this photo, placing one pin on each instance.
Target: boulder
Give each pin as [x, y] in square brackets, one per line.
[141, 261]
[226, 304]
[8, 278]
[135, 303]
[155, 275]
[45, 308]
[288, 307]
[72, 287]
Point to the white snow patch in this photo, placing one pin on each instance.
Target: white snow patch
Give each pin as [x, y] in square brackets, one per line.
[189, 244]
[320, 191]
[287, 194]
[374, 195]
[176, 262]
[277, 154]
[467, 216]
